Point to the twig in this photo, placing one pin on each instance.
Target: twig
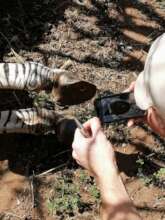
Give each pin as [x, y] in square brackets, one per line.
[159, 163]
[51, 170]
[13, 215]
[66, 65]
[17, 56]
[32, 189]
[17, 99]
[154, 161]
[83, 131]
[62, 152]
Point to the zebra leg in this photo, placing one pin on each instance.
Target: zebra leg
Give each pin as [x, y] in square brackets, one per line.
[38, 121]
[11, 123]
[64, 86]
[72, 91]
[23, 121]
[27, 76]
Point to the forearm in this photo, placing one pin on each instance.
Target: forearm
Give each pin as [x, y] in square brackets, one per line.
[116, 204]
[122, 211]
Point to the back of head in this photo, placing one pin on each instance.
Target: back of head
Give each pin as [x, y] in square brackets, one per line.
[150, 85]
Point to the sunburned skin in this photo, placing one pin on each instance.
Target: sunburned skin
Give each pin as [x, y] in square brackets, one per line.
[155, 121]
[152, 117]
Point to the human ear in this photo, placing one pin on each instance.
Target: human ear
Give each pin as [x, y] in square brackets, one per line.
[155, 121]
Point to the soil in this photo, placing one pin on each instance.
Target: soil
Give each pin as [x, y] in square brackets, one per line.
[107, 43]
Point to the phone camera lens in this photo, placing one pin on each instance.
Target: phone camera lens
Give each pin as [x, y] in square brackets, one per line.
[119, 107]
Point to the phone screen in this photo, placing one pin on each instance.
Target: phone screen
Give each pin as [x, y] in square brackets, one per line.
[117, 107]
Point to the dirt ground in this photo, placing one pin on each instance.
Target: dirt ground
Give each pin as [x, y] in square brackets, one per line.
[107, 42]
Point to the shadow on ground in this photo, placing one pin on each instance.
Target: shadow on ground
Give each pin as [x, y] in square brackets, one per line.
[27, 154]
[24, 23]
[132, 24]
[113, 34]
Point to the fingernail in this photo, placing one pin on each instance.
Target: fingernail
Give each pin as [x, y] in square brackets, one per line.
[130, 124]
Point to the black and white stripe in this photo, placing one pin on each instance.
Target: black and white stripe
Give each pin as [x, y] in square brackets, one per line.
[29, 120]
[35, 76]
[26, 76]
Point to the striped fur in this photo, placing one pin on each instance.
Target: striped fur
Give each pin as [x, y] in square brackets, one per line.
[62, 86]
[37, 122]
[33, 76]
[27, 76]
[30, 120]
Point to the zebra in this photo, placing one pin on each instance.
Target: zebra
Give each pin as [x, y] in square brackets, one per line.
[62, 86]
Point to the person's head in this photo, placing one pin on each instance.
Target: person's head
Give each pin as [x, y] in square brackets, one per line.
[150, 86]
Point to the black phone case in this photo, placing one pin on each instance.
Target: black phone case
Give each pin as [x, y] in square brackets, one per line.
[117, 107]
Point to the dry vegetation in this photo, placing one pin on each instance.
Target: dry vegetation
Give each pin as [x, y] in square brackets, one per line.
[107, 42]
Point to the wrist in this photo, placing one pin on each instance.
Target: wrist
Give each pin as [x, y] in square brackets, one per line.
[112, 189]
[109, 172]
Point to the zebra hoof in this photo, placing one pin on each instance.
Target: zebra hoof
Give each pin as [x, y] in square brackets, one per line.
[74, 93]
[65, 131]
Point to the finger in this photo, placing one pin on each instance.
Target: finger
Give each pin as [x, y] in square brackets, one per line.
[74, 155]
[78, 162]
[92, 125]
[130, 123]
[130, 88]
[79, 140]
[78, 135]
[83, 131]
[136, 121]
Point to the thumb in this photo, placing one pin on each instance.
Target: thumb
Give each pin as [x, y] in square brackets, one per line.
[92, 126]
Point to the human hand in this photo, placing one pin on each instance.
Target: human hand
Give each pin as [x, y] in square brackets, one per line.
[134, 121]
[97, 156]
[94, 153]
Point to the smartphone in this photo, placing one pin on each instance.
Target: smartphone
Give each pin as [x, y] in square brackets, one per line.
[117, 107]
